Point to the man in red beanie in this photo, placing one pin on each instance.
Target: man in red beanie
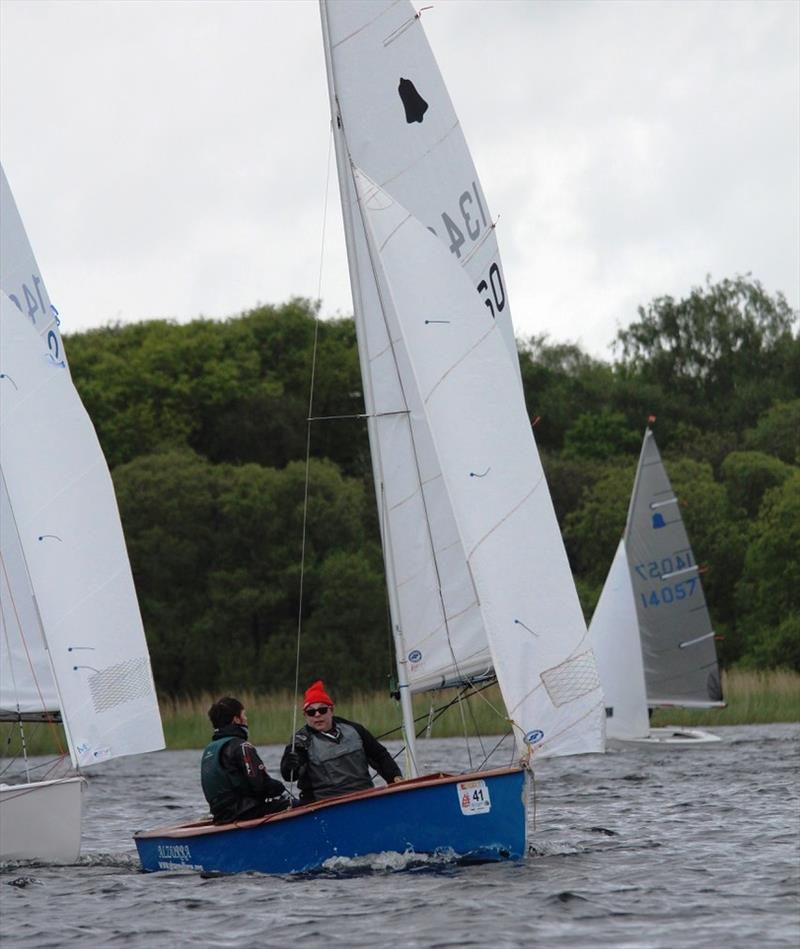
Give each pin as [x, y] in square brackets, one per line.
[330, 755]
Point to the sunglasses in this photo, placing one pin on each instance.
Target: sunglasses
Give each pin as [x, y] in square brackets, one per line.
[318, 711]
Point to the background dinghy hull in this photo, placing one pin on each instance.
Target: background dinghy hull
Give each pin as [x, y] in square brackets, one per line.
[666, 737]
[479, 817]
[42, 820]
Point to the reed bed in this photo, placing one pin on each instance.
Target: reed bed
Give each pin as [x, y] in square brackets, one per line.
[753, 697]
[271, 717]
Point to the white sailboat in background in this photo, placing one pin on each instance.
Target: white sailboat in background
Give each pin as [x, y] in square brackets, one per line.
[72, 645]
[477, 575]
[651, 630]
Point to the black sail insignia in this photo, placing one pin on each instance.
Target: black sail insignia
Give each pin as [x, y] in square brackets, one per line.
[413, 103]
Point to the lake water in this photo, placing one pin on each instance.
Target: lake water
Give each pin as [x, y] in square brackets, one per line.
[692, 847]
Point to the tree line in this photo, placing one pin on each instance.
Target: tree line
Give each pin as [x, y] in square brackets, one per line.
[204, 427]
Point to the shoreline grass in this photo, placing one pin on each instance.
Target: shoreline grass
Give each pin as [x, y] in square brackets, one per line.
[754, 698]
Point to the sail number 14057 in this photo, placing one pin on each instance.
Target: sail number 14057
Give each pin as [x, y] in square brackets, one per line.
[473, 797]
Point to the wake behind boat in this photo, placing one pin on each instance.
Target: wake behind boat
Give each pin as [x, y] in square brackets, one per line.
[478, 579]
[651, 630]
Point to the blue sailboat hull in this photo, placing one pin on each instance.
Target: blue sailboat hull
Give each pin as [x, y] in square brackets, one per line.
[476, 817]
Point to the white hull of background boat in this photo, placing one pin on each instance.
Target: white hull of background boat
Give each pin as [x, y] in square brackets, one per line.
[667, 737]
[42, 820]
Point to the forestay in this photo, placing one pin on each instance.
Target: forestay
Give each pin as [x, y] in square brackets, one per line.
[394, 119]
[470, 400]
[677, 639]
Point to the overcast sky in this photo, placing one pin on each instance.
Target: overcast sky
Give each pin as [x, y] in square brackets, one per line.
[169, 157]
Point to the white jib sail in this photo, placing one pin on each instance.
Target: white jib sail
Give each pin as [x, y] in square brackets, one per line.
[614, 634]
[394, 119]
[472, 402]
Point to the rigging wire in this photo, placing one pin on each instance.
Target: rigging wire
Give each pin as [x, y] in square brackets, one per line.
[54, 731]
[434, 714]
[308, 440]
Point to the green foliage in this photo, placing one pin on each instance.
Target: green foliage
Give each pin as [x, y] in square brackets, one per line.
[728, 350]
[205, 426]
[748, 475]
[768, 593]
[560, 381]
[347, 639]
[778, 432]
[593, 530]
[600, 435]
[567, 479]
[234, 391]
[168, 505]
[718, 534]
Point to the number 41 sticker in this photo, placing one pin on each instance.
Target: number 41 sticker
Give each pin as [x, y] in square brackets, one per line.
[473, 796]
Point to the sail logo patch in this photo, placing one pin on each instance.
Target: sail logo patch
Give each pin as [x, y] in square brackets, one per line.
[415, 656]
[534, 736]
[413, 103]
[473, 797]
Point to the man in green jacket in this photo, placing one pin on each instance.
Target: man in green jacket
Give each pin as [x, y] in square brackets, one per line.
[235, 781]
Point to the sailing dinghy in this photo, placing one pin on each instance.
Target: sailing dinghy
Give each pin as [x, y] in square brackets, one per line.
[72, 646]
[477, 576]
[651, 630]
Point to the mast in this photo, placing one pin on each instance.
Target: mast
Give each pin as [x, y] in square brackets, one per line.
[347, 195]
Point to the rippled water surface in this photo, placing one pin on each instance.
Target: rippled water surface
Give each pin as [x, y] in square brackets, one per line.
[691, 847]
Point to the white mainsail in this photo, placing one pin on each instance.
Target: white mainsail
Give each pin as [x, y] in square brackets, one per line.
[471, 402]
[66, 549]
[394, 119]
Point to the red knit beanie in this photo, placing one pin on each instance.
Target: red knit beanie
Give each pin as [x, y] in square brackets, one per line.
[316, 693]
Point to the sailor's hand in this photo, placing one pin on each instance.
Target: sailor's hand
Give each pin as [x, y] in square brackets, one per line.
[398, 779]
[292, 761]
